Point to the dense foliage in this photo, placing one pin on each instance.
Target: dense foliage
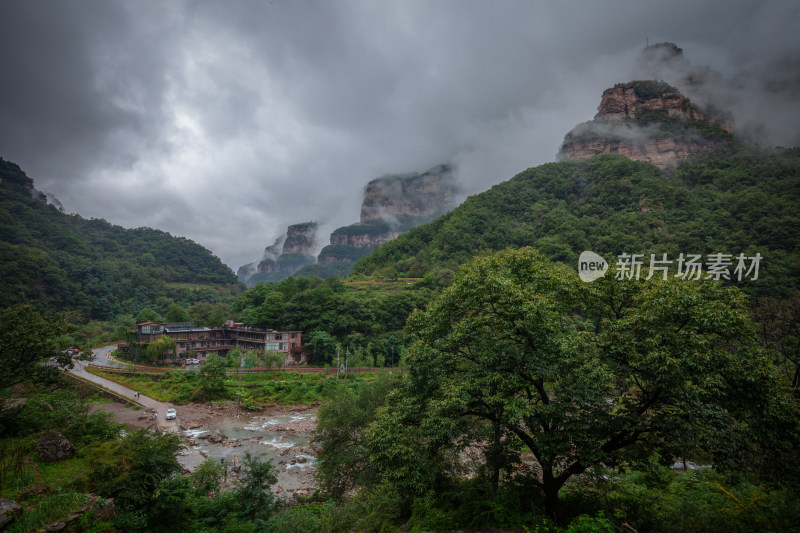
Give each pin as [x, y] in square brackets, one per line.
[28, 342]
[742, 200]
[525, 382]
[65, 262]
[341, 269]
[368, 323]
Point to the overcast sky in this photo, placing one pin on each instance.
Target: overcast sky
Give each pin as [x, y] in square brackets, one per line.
[227, 121]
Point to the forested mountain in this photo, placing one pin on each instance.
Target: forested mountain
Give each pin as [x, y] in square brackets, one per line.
[731, 199]
[65, 262]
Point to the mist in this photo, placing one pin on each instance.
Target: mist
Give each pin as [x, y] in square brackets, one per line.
[225, 123]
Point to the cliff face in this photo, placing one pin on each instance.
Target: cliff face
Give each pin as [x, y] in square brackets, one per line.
[392, 205]
[409, 195]
[301, 239]
[360, 241]
[636, 99]
[662, 152]
[290, 252]
[646, 121]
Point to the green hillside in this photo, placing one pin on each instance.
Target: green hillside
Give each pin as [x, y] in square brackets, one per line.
[730, 200]
[65, 262]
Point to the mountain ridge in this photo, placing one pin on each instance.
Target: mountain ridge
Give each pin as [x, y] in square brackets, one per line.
[67, 262]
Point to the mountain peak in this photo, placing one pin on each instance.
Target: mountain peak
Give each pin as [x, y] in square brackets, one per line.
[646, 120]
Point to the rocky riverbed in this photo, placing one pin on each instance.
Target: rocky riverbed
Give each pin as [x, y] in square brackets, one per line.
[281, 434]
[222, 431]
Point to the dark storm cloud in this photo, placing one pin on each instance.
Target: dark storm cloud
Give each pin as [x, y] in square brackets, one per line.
[227, 121]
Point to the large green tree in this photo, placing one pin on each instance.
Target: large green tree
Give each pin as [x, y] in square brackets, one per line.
[160, 347]
[212, 376]
[28, 339]
[519, 355]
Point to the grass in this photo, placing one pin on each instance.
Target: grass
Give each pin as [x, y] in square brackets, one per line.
[258, 390]
[77, 473]
[48, 510]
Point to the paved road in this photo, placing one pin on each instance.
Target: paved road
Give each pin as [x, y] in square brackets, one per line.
[101, 357]
[100, 354]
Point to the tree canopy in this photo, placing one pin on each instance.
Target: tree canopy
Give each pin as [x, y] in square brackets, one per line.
[520, 355]
[66, 262]
[27, 340]
[731, 200]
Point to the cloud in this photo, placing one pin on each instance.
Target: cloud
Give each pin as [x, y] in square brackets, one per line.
[226, 122]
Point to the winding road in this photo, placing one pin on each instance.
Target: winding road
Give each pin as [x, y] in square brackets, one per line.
[101, 358]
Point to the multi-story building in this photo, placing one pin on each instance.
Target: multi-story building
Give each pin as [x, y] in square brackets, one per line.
[203, 341]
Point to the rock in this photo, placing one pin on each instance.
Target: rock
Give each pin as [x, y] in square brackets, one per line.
[105, 513]
[300, 459]
[58, 526]
[54, 447]
[217, 437]
[615, 130]
[204, 436]
[194, 425]
[8, 511]
[278, 490]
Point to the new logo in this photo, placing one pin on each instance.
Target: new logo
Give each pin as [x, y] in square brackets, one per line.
[591, 266]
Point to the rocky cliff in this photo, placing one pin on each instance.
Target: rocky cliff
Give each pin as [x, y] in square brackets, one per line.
[646, 121]
[290, 252]
[408, 195]
[392, 205]
[301, 239]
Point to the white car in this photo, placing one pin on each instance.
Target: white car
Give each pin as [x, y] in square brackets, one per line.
[171, 414]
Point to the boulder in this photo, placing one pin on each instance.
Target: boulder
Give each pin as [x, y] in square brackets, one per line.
[217, 437]
[8, 510]
[54, 447]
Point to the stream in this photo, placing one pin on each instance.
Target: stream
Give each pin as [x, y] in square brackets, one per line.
[292, 457]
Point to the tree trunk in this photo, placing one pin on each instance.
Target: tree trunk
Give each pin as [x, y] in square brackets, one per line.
[550, 486]
[551, 500]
